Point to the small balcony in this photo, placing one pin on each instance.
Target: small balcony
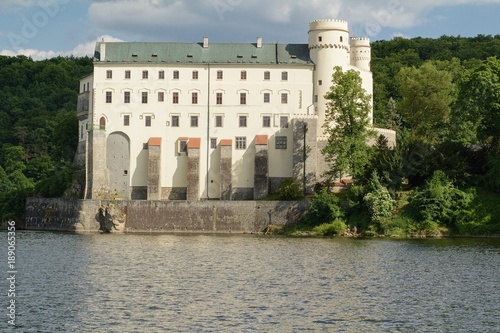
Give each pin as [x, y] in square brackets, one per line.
[83, 106]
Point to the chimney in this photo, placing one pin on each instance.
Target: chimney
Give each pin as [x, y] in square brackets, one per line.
[102, 50]
[259, 42]
[205, 42]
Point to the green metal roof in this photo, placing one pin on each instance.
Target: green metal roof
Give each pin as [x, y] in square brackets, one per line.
[222, 53]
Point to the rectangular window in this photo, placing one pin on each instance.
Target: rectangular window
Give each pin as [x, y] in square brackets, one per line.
[161, 75]
[243, 98]
[175, 97]
[194, 121]
[267, 97]
[148, 121]
[195, 75]
[219, 98]
[183, 147]
[267, 75]
[144, 97]
[284, 121]
[194, 98]
[176, 75]
[175, 121]
[161, 96]
[266, 121]
[213, 143]
[315, 98]
[109, 74]
[126, 120]
[320, 82]
[240, 142]
[109, 96]
[218, 121]
[281, 142]
[284, 98]
[243, 121]
[126, 97]
[284, 76]
[127, 74]
[145, 74]
[243, 75]
[219, 75]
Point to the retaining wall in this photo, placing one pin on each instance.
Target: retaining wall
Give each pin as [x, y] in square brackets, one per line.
[160, 216]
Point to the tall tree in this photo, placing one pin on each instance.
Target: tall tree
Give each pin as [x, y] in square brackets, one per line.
[347, 125]
[427, 94]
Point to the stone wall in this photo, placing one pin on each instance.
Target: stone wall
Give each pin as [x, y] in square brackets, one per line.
[160, 216]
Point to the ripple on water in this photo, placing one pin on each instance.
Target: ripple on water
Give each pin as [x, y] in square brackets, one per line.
[158, 283]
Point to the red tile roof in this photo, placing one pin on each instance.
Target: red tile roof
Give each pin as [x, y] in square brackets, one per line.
[154, 142]
[261, 139]
[194, 143]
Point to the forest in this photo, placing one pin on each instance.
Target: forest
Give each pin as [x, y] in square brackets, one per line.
[441, 96]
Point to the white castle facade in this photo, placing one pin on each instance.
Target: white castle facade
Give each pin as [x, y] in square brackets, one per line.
[195, 121]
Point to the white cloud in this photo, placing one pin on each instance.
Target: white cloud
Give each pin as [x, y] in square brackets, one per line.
[81, 50]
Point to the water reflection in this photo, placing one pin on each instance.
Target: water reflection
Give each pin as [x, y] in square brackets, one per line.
[200, 283]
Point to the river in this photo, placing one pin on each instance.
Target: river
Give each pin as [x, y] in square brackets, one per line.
[248, 283]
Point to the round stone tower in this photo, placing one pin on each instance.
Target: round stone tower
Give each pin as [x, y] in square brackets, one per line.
[328, 47]
[361, 53]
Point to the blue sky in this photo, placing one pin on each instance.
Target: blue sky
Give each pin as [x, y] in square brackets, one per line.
[46, 28]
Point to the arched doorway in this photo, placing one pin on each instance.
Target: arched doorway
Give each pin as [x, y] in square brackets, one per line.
[102, 123]
[118, 163]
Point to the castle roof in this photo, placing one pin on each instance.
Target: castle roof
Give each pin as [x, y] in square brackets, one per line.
[195, 53]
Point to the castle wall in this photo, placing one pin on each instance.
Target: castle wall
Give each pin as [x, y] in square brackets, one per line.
[160, 216]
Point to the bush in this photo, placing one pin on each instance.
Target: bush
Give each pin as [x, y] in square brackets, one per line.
[337, 227]
[440, 203]
[325, 207]
[290, 190]
[378, 200]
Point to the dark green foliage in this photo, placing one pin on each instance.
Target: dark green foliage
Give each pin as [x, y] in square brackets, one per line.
[336, 227]
[440, 202]
[325, 208]
[38, 127]
[290, 190]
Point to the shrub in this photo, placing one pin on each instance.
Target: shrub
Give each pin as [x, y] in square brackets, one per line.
[378, 200]
[325, 207]
[290, 190]
[440, 203]
[337, 227]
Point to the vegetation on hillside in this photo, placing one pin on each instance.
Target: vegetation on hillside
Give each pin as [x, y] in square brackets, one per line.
[38, 128]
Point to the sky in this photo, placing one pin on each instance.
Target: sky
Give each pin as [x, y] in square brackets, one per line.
[46, 28]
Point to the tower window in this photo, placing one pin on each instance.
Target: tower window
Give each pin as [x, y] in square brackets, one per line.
[145, 74]
[126, 97]
[109, 96]
[219, 75]
[243, 98]
[243, 75]
[144, 97]
[219, 98]
[109, 74]
[161, 75]
[176, 75]
[194, 98]
[341, 39]
[195, 75]
[320, 39]
[127, 74]
[267, 75]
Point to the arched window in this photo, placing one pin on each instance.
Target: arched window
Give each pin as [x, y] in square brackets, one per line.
[102, 123]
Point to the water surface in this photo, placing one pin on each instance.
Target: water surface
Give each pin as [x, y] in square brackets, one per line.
[204, 283]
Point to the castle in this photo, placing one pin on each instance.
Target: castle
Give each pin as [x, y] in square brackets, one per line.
[198, 121]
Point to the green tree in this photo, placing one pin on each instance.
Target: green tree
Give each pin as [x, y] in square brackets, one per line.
[427, 94]
[347, 125]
